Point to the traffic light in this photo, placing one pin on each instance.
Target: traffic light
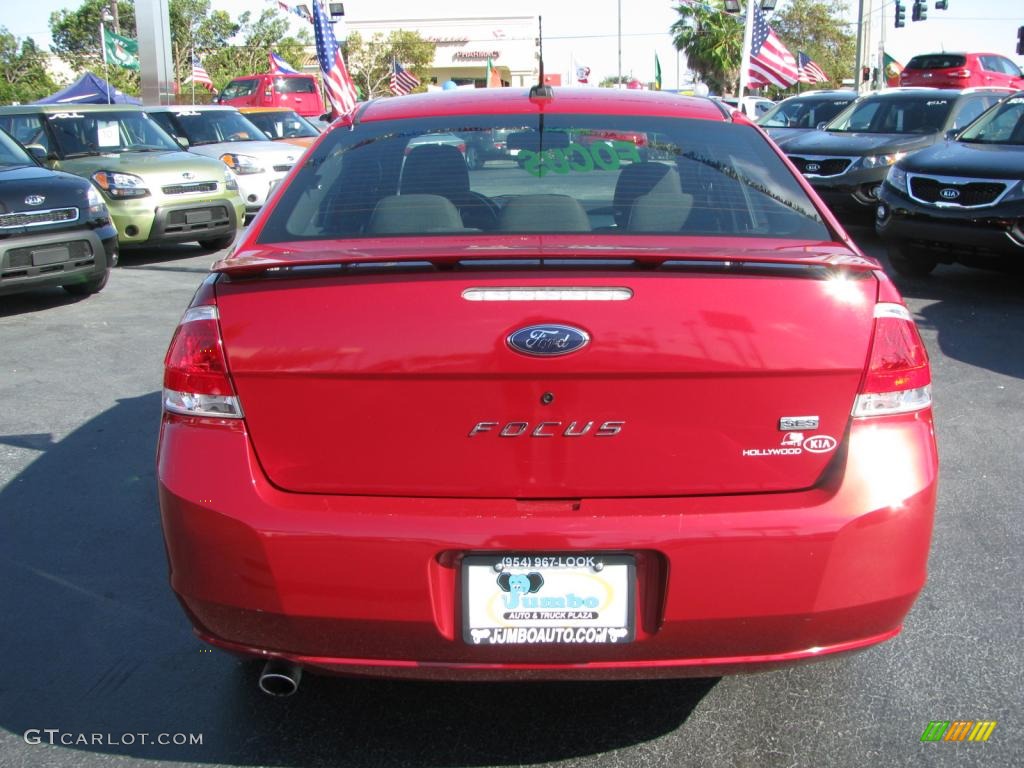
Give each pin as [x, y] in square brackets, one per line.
[901, 15]
[920, 11]
[1020, 41]
[941, 5]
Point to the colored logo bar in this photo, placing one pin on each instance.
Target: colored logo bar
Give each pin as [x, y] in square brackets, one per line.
[958, 730]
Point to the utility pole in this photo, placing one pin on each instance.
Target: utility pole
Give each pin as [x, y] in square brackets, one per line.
[860, 49]
[883, 80]
[113, 12]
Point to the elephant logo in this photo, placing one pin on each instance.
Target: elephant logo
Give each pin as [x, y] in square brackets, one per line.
[517, 584]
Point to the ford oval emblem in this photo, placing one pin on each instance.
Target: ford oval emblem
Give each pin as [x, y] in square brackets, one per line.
[820, 444]
[34, 200]
[949, 193]
[813, 167]
[548, 340]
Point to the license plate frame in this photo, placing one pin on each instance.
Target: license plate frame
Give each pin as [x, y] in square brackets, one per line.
[528, 599]
[200, 216]
[57, 254]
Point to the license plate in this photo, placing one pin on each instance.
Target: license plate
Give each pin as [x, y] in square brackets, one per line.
[45, 256]
[544, 599]
[198, 217]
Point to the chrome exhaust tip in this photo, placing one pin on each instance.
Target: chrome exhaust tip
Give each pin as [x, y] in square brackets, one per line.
[280, 678]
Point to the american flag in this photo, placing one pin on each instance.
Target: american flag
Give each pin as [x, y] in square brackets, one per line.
[809, 71]
[402, 81]
[200, 75]
[341, 91]
[771, 63]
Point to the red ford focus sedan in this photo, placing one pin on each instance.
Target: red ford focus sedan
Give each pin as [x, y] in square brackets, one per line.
[603, 409]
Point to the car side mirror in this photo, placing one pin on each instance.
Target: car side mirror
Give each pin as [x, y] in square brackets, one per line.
[821, 126]
[182, 142]
[952, 133]
[326, 117]
[38, 152]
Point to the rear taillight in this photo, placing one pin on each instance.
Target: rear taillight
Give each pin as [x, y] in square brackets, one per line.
[196, 381]
[898, 378]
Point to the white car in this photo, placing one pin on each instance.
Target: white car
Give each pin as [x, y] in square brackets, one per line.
[224, 133]
[753, 106]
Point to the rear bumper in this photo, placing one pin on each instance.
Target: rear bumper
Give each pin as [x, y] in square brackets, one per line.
[91, 252]
[370, 585]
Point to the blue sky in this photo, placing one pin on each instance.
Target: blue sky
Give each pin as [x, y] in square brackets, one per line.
[588, 31]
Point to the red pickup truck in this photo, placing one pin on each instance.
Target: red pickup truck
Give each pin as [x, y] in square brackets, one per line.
[298, 92]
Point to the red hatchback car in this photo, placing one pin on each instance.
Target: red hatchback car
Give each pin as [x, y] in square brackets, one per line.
[962, 70]
[585, 413]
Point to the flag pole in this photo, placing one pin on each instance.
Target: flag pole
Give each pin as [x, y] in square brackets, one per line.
[193, 75]
[103, 48]
[748, 39]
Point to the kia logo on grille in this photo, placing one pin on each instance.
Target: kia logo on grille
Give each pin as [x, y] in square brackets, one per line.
[34, 200]
[188, 175]
[548, 340]
[949, 193]
[813, 167]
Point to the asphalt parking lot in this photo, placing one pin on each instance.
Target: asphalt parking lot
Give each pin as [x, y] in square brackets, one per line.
[100, 661]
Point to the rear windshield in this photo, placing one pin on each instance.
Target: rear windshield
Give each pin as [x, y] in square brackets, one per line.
[803, 113]
[937, 61]
[1003, 124]
[294, 85]
[282, 125]
[564, 173]
[239, 88]
[907, 114]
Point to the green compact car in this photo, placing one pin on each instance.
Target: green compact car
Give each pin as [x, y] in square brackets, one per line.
[156, 192]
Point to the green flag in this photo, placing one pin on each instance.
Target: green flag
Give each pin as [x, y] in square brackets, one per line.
[657, 73]
[122, 51]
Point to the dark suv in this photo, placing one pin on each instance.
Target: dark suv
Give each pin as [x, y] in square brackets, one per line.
[962, 201]
[54, 227]
[847, 161]
[804, 112]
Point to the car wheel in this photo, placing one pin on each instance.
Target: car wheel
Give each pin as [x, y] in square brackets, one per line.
[88, 287]
[911, 261]
[473, 159]
[217, 243]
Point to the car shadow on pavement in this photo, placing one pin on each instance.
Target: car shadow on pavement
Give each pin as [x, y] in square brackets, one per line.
[37, 300]
[977, 314]
[100, 659]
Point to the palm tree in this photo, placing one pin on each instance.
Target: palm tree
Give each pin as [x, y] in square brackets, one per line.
[713, 43]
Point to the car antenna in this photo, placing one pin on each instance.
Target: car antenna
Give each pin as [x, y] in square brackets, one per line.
[541, 90]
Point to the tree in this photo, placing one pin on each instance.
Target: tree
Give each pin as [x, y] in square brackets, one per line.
[369, 61]
[76, 39]
[613, 80]
[713, 43]
[259, 37]
[194, 29]
[23, 75]
[822, 34]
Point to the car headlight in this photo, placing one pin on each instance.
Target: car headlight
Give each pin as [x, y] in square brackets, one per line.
[881, 161]
[120, 185]
[230, 180]
[897, 178]
[97, 209]
[241, 164]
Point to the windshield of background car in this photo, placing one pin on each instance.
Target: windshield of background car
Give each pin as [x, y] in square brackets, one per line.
[803, 113]
[936, 61]
[282, 125]
[238, 88]
[11, 155]
[216, 125]
[905, 114]
[611, 175]
[92, 133]
[294, 85]
[1002, 125]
